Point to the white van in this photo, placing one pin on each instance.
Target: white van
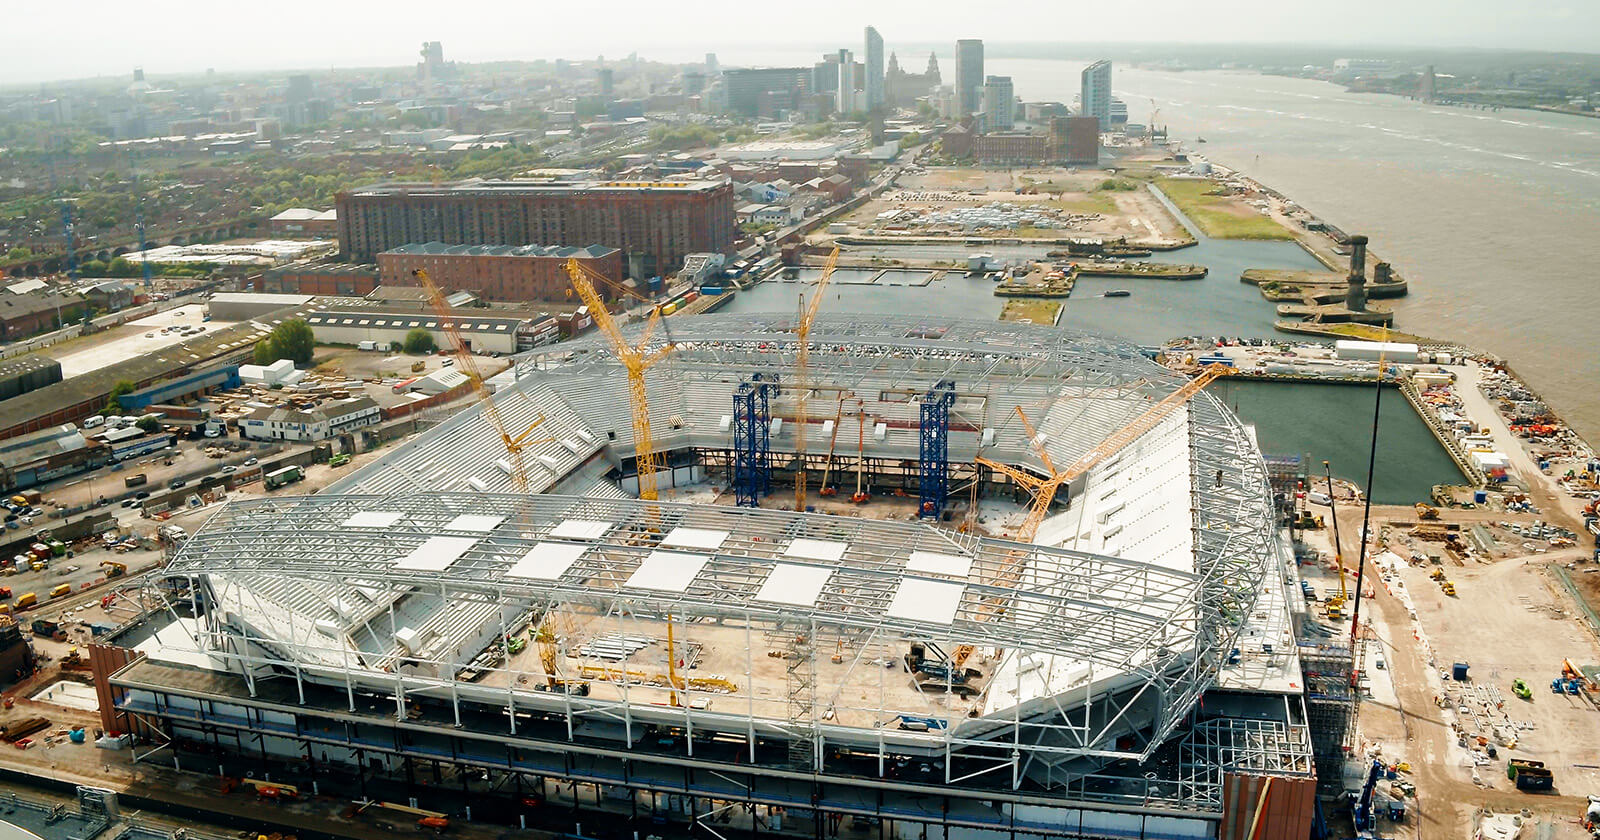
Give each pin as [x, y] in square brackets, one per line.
[94, 421]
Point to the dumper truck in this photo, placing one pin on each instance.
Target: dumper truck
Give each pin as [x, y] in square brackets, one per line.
[1529, 774]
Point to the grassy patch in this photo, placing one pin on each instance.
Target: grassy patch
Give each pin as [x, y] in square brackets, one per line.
[1101, 203]
[1032, 310]
[1220, 217]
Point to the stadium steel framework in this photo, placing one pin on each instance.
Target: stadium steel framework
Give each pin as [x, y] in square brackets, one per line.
[396, 590]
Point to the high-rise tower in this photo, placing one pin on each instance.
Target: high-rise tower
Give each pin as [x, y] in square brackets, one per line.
[969, 76]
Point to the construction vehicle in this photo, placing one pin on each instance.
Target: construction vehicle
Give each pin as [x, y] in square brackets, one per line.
[114, 569]
[635, 360]
[1436, 574]
[860, 497]
[1447, 587]
[1362, 812]
[1519, 687]
[1426, 511]
[940, 670]
[802, 373]
[833, 439]
[74, 660]
[468, 365]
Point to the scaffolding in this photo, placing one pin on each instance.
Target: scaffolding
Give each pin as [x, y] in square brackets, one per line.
[752, 442]
[1330, 708]
[935, 449]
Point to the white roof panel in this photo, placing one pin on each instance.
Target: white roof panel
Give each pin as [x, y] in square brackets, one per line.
[474, 522]
[791, 583]
[373, 519]
[695, 538]
[934, 563]
[668, 571]
[436, 554]
[933, 601]
[547, 561]
[581, 529]
[828, 550]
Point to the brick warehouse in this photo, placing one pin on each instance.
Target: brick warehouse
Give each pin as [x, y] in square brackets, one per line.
[654, 224]
[497, 272]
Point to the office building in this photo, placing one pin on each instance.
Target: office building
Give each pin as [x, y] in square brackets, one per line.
[499, 272]
[875, 73]
[782, 88]
[969, 77]
[845, 95]
[999, 104]
[1076, 140]
[1094, 98]
[655, 224]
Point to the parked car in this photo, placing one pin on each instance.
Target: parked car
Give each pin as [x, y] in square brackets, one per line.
[229, 469]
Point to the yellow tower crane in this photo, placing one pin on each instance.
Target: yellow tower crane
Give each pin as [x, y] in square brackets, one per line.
[802, 372]
[1044, 489]
[514, 444]
[636, 360]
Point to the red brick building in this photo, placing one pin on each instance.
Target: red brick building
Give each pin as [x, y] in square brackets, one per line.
[499, 272]
[1014, 148]
[315, 279]
[1077, 138]
[655, 223]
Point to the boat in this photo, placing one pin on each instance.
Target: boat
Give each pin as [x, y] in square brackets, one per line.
[1118, 293]
[1199, 139]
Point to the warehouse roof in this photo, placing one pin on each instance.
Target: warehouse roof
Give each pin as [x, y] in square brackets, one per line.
[444, 249]
[466, 321]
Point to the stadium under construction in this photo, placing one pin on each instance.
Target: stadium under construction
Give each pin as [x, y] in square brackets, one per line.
[910, 655]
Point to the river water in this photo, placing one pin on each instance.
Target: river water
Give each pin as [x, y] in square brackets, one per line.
[1494, 217]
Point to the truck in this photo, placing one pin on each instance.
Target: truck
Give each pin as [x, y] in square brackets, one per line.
[339, 460]
[135, 480]
[278, 478]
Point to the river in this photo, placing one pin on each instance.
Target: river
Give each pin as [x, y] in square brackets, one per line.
[1492, 216]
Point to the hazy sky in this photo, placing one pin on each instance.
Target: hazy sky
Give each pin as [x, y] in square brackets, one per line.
[81, 38]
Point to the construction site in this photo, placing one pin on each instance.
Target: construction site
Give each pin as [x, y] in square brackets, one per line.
[797, 574]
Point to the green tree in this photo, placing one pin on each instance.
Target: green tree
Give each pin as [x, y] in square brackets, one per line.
[113, 403]
[419, 341]
[146, 424]
[291, 340]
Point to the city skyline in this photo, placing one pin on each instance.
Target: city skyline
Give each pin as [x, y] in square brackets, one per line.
[164, 40]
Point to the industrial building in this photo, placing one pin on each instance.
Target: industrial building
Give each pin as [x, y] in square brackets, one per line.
[330, 419]
[315, 278]
[497, 272]
[28, 372]
[654, 223]
[483, 332]
[422, 629]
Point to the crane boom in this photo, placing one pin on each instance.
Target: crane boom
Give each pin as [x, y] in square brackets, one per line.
[636, 361]
[802, 371]
[1044, 489]
[468, 364]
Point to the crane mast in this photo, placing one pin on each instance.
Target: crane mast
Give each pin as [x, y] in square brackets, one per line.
[636, 361]
[802, 372]
[465, 360]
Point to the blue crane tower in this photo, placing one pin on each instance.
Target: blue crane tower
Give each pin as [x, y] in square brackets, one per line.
[752, 441]
[934, 475]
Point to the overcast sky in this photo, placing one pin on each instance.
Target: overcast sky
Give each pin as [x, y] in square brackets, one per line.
[82, 38]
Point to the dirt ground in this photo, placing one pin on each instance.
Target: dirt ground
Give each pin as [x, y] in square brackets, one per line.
[1509, 619]
[1134, 214]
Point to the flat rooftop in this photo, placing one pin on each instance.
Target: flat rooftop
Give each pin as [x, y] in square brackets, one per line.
[530, 187]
